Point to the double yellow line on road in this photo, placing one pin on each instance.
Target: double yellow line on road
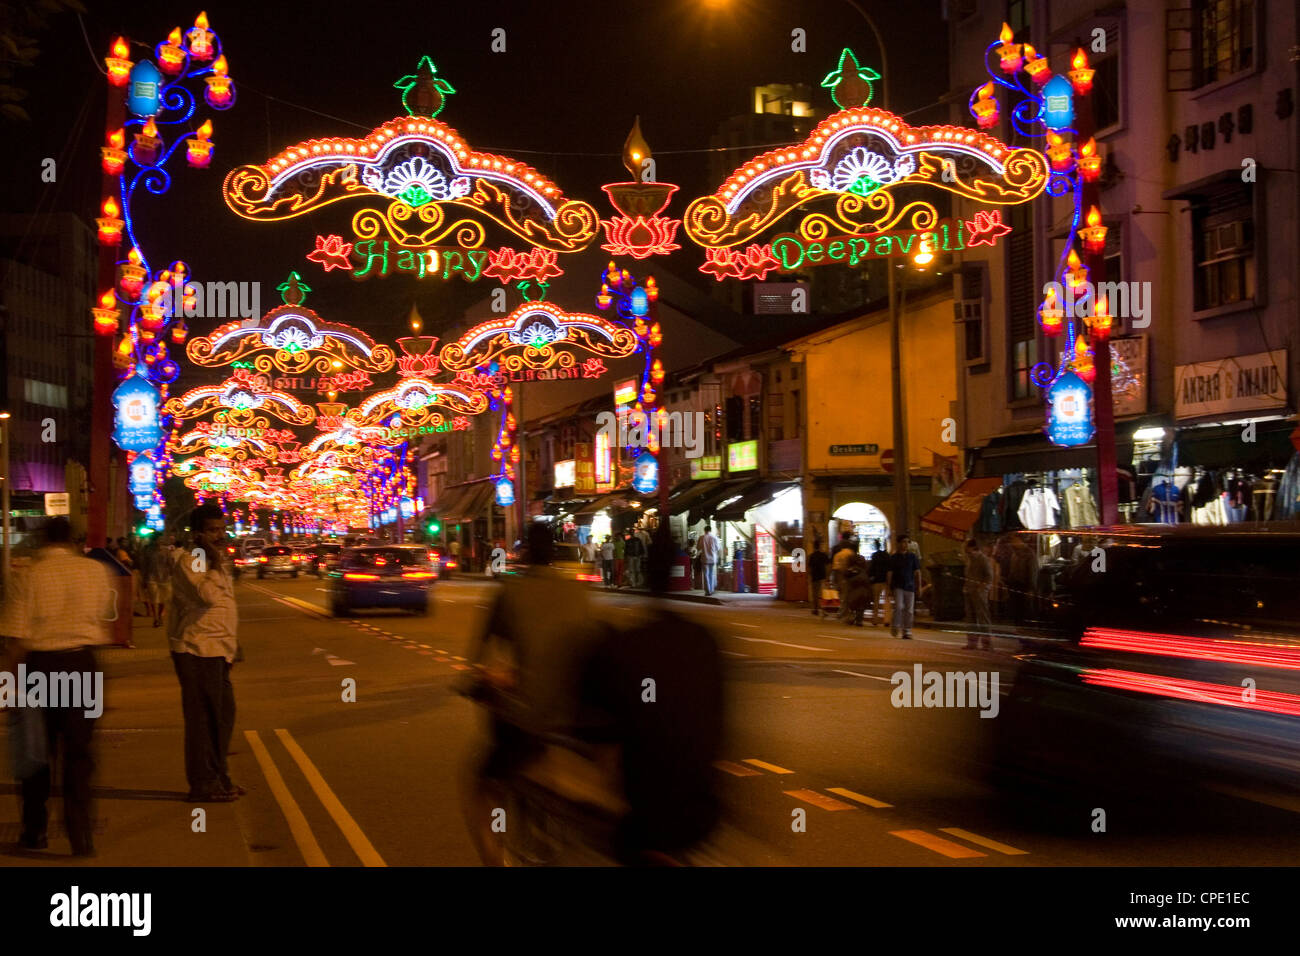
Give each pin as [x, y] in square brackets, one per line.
[298, 826]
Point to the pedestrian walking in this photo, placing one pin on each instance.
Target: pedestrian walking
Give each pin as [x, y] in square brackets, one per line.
[710, 549]
[58, 611]
[202, 633]
[818, 565]
[155, 569]
[975, 590]
[634, 551]
[857, 590]
[1022, 579]
[839, 562]
[879, 572]
[607, 561]
[620, 559]
[904, 574]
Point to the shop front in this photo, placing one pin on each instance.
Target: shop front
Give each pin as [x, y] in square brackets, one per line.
[760, 527]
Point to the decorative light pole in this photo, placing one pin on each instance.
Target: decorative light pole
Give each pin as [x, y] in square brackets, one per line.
[154, 94]
[1058, 107]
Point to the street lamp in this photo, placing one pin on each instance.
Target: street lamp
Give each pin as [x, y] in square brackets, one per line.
[4, 493]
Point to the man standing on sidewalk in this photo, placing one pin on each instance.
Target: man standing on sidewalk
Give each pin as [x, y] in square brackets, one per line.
[979, 579]
[818, 563]
[879, 585]
[58, 611]
[201, 631]
[710, 548]
[904, 569]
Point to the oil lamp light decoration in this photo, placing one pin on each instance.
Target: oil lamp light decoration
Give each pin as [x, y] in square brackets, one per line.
[1045, 107]
[158, 95]
[640, 231]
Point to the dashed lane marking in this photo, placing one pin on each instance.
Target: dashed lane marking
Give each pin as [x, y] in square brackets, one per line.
[868, 676]
[768, 640]
[983, 841]
[735, 654]
[859, 797]
[738, 624]
[819, 800]
[764, 765]
[937, 843]
[735, 769]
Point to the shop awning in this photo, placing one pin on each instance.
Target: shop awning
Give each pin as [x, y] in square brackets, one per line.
[755, 497]
[596, 505]
[724, 490]
[1221, 446]
[470, 504]
[1018, 454]
[956, 515]
[681, 501]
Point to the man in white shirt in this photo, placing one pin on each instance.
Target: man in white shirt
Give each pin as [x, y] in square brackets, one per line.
[710, 548]
[201, 629]
[58, 611]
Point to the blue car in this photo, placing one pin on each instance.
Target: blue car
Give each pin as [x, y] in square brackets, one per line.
[394, 575]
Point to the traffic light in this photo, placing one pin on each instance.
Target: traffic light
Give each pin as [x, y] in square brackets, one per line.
[144, 531]
[434, 526]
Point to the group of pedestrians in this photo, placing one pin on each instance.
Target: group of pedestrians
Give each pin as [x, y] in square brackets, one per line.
[60, 610]
[620, 559]
[885, 583]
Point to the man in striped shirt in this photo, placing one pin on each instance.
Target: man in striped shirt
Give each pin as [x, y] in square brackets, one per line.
[57, 612]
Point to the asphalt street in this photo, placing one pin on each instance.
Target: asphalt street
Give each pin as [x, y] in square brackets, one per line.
[819, 769]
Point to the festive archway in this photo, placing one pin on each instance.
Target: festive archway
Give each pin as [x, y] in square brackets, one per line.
[425, 185]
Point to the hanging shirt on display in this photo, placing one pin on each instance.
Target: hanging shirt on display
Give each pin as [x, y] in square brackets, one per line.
[1039, 509]
[1080, 507]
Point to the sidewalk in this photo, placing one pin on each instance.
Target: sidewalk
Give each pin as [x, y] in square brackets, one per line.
[141, 815]
[721, 598]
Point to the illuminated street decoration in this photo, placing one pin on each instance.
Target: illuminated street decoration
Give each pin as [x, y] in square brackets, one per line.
[538, 335]
[640, 231]
[1045, 107]
[237, 398]
[157, 97]
[857, 163]
[755, 262]
[850, 82]
[432, 187]
[419, 356]
[415, 401]
[291, 339]
[136, 425]
[1069, 410]
[792, 252]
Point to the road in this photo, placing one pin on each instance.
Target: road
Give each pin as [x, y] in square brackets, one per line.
[820, 767]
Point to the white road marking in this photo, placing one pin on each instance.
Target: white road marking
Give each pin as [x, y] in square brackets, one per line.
[868, 676]
[765, 640]
[738, 624]
[735, 654]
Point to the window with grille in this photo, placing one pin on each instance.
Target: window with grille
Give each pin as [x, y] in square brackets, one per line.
[1224, 252]
[1226, 38]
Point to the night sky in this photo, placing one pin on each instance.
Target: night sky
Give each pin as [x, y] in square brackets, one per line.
[561, 98]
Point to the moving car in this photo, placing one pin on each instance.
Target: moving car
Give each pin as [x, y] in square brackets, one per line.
[1169, 657]
[394, 575]
[567, 559]
[325, 557]
[278, 559]
[245, 554]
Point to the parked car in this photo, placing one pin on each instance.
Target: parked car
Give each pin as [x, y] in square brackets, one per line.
[1168, 657]
[278, 559]
[395, 575]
